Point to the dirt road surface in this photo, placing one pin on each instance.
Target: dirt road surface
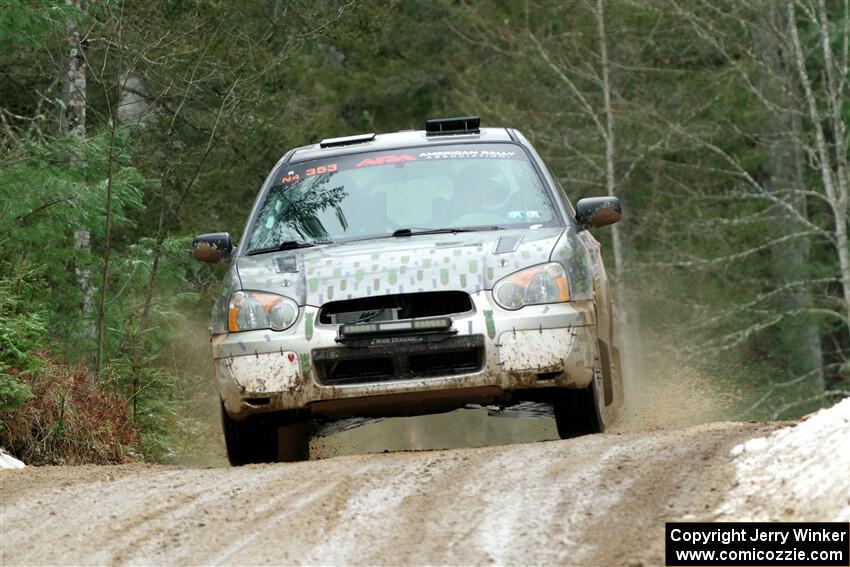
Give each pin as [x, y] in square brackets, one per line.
[597, 500]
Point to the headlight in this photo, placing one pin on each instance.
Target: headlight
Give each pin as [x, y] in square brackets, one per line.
[546, 283]
[251, 310]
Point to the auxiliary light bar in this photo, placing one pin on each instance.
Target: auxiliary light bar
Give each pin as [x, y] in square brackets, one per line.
[353, 330]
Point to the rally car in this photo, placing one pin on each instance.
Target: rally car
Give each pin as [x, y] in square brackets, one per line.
[410, 273]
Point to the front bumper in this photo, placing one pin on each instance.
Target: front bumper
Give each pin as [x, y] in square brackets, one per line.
[541, 346]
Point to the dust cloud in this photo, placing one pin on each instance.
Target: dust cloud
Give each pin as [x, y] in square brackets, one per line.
[196, 438]
[665, 392]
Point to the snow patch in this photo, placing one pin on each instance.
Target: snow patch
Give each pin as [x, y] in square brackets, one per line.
[796, 473]
[7, 461]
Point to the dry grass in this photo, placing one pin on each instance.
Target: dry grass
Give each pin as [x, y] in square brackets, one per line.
[69, 420]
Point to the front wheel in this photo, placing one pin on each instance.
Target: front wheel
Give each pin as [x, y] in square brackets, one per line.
[579, 412]
[257, 441]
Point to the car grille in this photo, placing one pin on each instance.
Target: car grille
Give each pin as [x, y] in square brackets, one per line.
[396, 306]
[371, 315]
[454, 355]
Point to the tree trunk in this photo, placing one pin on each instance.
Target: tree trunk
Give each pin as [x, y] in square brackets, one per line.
[626, 337]
[76, 105]
[610, 155]
[835, 184]
[104, 286]
[75, 124]
[114, 114]
[798, 345]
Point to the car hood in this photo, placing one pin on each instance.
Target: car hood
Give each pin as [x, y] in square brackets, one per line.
[463, 261]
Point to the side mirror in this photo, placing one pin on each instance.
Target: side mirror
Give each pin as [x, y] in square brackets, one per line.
[212, 248]
[595, 212]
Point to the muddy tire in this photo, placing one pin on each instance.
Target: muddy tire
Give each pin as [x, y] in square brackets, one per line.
[579, 412]
[293, 442]
[248, 441]
[607, 372]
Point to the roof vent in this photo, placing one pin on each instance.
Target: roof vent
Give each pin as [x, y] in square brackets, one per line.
[347, 140]
[446, 126]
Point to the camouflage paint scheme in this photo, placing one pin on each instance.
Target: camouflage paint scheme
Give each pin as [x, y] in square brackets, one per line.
[464, 262]
[543, 338]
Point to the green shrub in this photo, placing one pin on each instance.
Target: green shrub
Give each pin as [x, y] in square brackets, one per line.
[21, 334]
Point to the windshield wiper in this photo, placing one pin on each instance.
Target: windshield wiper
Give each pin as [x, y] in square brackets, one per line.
[287, 245]
[418, 231]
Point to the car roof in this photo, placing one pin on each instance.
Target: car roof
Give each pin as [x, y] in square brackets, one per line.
[397, 140]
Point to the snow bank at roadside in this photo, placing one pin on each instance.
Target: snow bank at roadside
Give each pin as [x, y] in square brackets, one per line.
[797, 473]
[7, 461]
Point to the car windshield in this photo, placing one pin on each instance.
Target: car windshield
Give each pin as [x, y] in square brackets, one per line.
[370, 195]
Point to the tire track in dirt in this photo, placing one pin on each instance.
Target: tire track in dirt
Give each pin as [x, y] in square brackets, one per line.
[683, 483]
[537, 503]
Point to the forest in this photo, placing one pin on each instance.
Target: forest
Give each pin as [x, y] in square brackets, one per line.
[126, 128]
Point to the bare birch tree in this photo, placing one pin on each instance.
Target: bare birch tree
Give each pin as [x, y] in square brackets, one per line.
[788, 143]
[608, 134]
[829, 156]
[784, 175]
[789, 202]
[75, 124]
[602, 119]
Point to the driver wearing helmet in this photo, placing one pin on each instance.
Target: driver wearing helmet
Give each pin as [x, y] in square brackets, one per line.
[478, 197]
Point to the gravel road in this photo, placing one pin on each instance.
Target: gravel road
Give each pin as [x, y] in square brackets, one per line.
[597, 500]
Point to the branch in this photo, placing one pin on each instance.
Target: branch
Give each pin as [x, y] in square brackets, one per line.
[570, 85]
[817, 398]
[731, 340]
[762, 297]
[702, 262]
[741, 172]
[794, 381]
[738, 337]
[710, 35]
[22, 219]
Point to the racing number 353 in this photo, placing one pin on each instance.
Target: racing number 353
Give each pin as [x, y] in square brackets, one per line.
[330, 168]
